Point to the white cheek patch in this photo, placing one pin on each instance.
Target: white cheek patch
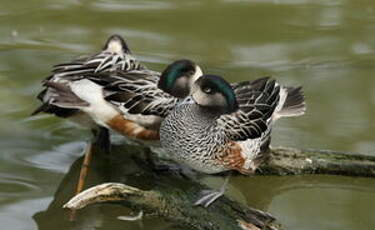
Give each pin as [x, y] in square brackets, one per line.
[204, 99]
[198, 73]
[181, 82]
[199, 97]
[219, 100]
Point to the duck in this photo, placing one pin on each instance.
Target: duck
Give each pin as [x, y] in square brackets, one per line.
[213, 126]
[225, 127]
[58, 98]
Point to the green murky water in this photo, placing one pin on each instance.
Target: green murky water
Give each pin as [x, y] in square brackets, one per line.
[326, 46]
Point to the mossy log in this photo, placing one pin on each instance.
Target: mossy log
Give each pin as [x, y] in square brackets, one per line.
[170, 194]
[291, 161]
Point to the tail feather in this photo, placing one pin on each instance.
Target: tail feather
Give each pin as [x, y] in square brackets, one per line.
[62, 96]
[42, 108]
[59, 100]
[52, 109]
[294, 104]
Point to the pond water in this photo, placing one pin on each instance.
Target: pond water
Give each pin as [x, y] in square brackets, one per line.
[326, 46]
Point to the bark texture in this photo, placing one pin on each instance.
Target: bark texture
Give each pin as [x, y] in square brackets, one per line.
[291, 161]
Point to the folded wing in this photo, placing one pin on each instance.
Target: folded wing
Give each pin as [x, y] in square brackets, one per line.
[137, 93]
[257, 102]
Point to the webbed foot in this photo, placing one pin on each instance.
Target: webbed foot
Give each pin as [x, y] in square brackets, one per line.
[209, 196]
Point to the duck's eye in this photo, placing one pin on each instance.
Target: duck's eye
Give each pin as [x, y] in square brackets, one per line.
[190, 73]
[208, 90]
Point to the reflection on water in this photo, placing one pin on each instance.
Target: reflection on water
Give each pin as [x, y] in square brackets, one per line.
[121, 166]
[326, 46]
[302, 203]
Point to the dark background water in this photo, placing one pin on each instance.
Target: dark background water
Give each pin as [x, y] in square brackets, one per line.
[326, 46]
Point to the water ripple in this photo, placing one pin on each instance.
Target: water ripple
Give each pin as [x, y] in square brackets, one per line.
[59, 159]
[14, 186]
[290, 2]
[136, 5]
[19, 217]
